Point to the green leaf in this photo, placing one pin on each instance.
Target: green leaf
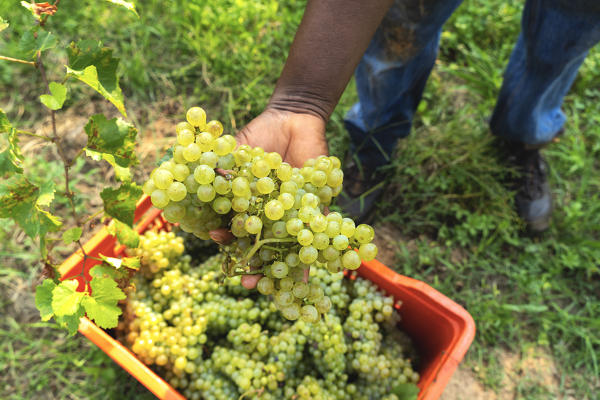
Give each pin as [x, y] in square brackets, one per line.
[71, 235]
[66, 298]
[113, 137]
[128, 5]
[101, 305]
[30, 45]
[126, 235]
[3, 24]
[132, 262]
[43, 299]
[120, 203]
[70, 322]
[55, 100]
[406, 391]
[11, 157]
[103, 270]
[94, 65]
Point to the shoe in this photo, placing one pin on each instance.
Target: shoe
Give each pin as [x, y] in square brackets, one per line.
[533, 199]
[362, 189]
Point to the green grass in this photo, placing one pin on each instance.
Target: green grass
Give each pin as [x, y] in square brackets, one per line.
[446, 198]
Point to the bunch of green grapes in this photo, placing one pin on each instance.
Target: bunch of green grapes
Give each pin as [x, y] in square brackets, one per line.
[158, 250]
[275, 212]
[217, 341]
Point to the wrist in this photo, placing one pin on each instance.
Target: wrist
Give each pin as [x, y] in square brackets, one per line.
[302, 101]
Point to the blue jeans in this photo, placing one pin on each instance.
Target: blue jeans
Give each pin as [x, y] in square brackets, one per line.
[555, 37]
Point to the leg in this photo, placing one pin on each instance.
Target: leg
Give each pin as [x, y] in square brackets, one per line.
[556, 36]
[391, 77]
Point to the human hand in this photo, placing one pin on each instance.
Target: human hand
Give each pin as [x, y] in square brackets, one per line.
[296, 137]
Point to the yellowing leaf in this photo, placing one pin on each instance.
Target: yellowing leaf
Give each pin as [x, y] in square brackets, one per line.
[43, 299]
[55, 100]
[66, 298]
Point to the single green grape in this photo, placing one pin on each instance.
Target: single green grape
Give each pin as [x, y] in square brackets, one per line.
[215, 128]
[305, 237]
[206, 193]
[159, 198]
[367, 251]
[176, 191]
[192, 152]
[221, 205]
[196, 116]
[253, 224]
[185, 137]
[203, 174]
[351, 260]
[260, 168]
[162, 178]
[265, 185]
[274, 210]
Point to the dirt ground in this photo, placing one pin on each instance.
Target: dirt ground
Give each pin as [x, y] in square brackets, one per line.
[535, 367]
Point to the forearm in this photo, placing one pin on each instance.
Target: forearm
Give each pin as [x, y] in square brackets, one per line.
[329, 43]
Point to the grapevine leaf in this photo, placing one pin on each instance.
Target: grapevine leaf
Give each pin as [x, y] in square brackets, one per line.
[11, 157]
[103, 270]
[114, 137]
[46, 196]
[66, 298]
[117, 263]
[71, 235]
[120, 203]
[94, 65]
[101, 305]
[406, 391]
[70, 322]
[3, 24]
[55, 100]
[128, 5]
[30, 45]
[127, 236]
[112, 261]
[122, 174]
[43, 299]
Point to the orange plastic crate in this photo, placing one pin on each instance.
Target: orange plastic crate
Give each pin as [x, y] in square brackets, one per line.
[441, 329]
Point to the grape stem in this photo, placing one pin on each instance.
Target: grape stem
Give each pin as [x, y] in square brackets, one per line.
[259, 243]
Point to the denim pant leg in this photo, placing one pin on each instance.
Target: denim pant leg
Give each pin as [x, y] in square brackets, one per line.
[391, 77]
[555, 38]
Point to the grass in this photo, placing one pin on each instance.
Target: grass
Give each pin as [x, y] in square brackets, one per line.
[446, 200]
